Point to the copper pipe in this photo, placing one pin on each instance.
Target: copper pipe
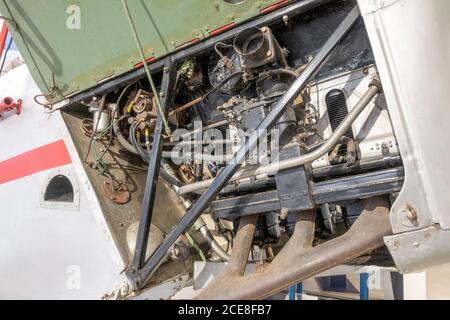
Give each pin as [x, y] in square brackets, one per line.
[299, 261]
[187, 106]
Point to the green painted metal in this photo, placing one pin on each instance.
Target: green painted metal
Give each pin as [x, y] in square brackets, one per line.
[65, 60]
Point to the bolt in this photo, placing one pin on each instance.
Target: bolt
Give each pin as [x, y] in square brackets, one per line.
[177, 251]
[161, 94]
[393, 245]
[269, 53]
[264, 29]
[411, 213]
[416, 244]
[166, 69]
[284, 213]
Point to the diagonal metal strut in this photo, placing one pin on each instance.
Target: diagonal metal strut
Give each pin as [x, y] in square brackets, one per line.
[168, 86]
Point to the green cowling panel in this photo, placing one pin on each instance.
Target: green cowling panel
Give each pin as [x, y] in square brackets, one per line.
[73, 60]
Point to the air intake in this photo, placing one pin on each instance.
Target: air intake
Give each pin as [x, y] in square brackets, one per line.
[337, 110]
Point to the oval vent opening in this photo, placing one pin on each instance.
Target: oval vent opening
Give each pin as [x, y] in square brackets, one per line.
[59, 189]
[337, 110]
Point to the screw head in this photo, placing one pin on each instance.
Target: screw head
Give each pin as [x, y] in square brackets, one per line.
[411, 213]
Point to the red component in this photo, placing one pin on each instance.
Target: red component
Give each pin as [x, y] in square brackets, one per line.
[273, 7]
[222, 29]
[8, 105]
[141, 64]
[3, 36]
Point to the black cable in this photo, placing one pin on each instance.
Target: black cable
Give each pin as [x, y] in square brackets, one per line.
[223, 83]
[115, 126]
[123, 94]
[146, 157]
[136, 145]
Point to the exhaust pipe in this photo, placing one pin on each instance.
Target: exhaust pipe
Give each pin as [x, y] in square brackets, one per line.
[298, 260]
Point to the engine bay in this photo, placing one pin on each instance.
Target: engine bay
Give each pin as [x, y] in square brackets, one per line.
[330, 152]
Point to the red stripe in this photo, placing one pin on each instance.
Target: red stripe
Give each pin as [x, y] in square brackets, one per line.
[222, 29]
[273, 7]
[44, 158]
[141, 64]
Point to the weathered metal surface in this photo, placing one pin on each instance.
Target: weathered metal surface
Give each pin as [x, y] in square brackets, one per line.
[71, 46]
[421, 132]
[117, 196]
[419, 250]
[298, 260]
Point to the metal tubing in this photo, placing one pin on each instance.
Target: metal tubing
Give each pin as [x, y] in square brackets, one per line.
[299, 261]
[224, 177]
[374, 89]
[201, 226]
[168, 85]
[359, 167]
